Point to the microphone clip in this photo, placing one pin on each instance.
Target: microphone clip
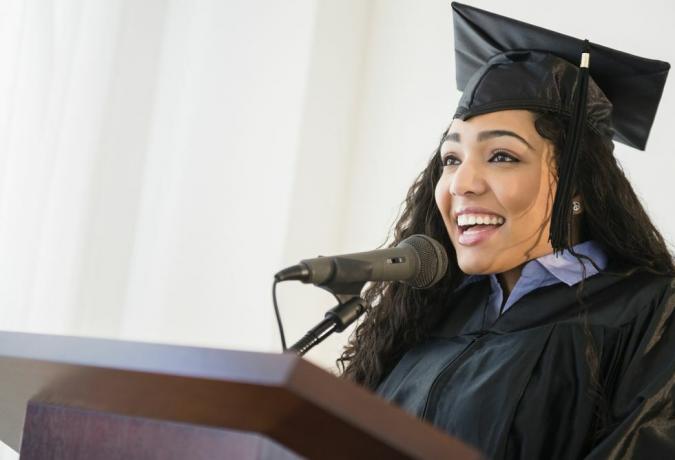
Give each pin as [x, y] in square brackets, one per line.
[337, 319]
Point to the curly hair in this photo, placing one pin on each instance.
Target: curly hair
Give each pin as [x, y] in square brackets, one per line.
[401, 316]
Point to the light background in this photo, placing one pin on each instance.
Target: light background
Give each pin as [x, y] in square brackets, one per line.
[160, 160]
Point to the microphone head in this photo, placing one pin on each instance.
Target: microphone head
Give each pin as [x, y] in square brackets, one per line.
[433, 260]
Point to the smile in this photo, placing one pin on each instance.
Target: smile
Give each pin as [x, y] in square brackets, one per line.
[475, 228]
[468, 220]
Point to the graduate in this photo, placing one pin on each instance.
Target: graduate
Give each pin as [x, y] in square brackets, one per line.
[552, 333]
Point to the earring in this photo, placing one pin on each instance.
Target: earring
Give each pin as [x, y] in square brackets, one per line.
[576, 207]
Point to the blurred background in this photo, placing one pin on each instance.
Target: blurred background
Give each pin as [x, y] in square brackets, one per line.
[160, 160]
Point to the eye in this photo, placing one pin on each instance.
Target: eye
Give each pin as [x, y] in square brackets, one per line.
[450, 160]
[501, 156]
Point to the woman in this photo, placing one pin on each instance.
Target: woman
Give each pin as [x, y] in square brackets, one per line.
[551, 335]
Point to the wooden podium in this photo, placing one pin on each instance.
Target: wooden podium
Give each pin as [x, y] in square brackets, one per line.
[82, 398]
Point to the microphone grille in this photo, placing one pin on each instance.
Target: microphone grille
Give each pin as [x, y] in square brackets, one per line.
[433, 260]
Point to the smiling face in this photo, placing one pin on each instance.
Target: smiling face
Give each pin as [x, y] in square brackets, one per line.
[496, 191]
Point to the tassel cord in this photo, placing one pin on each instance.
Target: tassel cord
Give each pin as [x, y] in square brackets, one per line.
[561, 220]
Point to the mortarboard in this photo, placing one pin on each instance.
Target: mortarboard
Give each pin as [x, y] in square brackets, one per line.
[502, 64]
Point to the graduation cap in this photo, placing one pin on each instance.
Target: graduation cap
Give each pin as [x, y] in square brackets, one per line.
[502, 64]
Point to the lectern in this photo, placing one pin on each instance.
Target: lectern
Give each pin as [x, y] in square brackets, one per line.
[94, 399]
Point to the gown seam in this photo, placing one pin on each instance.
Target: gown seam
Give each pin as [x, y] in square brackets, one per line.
[507, 436]
[443, 372]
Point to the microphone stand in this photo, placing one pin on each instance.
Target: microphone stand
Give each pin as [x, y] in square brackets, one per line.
[350, 306]
[343, 277]
[337, 319]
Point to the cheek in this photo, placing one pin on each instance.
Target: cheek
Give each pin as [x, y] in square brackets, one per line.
[442, 196]
[523, 195]
[444, 203]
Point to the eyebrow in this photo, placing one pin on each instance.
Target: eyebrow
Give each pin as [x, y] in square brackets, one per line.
[485, 135]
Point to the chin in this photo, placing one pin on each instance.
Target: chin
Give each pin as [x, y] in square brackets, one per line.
[474, 265]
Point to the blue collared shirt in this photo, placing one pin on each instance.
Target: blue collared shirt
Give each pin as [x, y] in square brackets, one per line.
[543, 271]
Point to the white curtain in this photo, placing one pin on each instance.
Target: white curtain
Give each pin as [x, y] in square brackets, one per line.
[146, 165]
[147, 156]
[161, 159]
[56, 71]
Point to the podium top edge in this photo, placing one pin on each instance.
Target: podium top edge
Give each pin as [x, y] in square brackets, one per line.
[177, 360]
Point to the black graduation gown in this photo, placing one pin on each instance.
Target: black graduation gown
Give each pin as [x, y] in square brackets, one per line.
[521, 387]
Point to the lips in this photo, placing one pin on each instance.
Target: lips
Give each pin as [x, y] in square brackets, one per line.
[476, 225]
[477, 234]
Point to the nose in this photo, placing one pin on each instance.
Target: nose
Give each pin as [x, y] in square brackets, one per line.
[467, 179]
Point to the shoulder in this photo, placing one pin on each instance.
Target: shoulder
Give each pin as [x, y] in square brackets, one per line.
[624, 297]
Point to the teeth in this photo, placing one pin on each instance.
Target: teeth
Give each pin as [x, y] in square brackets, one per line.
[479, 219]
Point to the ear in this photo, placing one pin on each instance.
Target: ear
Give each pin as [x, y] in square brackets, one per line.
[577, 205]
[577, 211]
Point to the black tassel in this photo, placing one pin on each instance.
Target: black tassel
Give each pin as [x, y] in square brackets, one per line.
[561, 220]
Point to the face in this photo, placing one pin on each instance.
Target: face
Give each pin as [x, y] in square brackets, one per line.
[496, 191]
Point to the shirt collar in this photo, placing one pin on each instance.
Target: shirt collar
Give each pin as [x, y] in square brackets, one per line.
[566, 266]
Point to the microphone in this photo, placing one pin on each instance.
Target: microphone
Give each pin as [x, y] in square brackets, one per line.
[418, 260]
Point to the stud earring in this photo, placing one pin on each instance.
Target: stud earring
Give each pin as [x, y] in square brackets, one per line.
[576, 207]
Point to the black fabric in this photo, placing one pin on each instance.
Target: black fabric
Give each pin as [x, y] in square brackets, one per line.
[532, 80]
[521, 387]
[485, 42]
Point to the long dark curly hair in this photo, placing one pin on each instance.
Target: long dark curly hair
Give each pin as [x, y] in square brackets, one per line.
[401, 316]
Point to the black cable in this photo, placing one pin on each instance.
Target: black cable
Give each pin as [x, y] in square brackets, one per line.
[276, 312]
